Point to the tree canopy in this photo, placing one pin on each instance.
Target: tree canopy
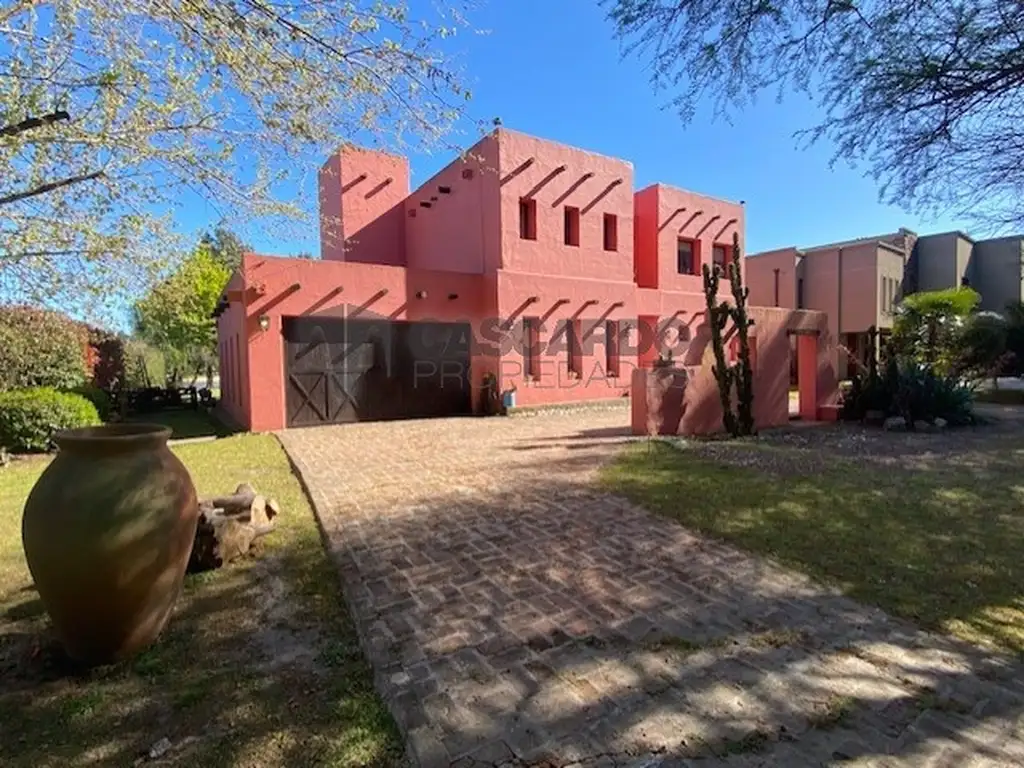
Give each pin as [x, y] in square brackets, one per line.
[928, 94]
[113, 113]
[176, 317]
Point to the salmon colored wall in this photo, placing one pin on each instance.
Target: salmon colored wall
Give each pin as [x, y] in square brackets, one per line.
[297, 287]
[332, 235]
[452, 233]
[467, 244]
[372, 188]
[592, 303]
[704, 219]
[760, 278]
[770, 336]
[553, 190]
[233, 354]
[645, 237]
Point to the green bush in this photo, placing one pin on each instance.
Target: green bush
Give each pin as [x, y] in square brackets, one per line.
[30, 417]
[40, 348]
[911, 390]
[97, 397]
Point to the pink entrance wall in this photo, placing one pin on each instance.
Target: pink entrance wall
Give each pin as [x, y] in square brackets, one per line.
[702, 409]
[459, 234]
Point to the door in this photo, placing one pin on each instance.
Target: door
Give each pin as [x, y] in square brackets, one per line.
[339, 371]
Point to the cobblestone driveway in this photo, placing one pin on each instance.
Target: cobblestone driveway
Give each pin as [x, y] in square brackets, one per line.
[515, 615]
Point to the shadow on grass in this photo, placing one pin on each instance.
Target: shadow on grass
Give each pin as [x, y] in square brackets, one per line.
[259, 665]
[186, 423]
[935, 543]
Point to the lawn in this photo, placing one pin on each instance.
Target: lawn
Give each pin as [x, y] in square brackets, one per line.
[931, 535]
[185, 422]
[260, 665]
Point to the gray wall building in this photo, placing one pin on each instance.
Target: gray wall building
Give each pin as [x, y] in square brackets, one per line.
[946, 260]
[997, 274]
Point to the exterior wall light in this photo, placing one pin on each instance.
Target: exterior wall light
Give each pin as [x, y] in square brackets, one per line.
[421, 294]
[264, 322]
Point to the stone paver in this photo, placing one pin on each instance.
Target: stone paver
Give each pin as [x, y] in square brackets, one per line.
[515, 615]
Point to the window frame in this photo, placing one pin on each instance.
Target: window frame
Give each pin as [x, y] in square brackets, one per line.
[571, 221]
[610, 232]
[531, 348]
[527, 218]
[694, 250]
[612, 348]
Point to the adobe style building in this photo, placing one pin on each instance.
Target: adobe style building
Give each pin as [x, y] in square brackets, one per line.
[524, 269]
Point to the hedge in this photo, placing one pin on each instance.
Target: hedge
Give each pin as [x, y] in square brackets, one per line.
[30, 417]
[40, 348]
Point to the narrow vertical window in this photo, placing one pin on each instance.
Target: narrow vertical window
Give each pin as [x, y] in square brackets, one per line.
[776, 287]
[611, 348]
[528, 219]
[881, 300]
[719, 256]
[572, 342]
[572, 225]
[531, 345]
[685, 262]
[236, 382]
[611, 232]
[800, 293]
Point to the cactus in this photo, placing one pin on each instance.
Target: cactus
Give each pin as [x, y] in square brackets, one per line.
[745, 373]
[741, 375]
[717, 317]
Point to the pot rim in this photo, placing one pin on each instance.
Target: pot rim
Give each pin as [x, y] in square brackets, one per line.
[109, 438]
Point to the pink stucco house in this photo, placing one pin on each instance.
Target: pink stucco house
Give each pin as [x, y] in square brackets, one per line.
[524, 266]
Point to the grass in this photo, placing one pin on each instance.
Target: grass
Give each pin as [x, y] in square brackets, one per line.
[940, 546]
[259, 666]
[185, 423]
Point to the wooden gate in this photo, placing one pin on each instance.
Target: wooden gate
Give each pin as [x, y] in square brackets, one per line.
[339, 371]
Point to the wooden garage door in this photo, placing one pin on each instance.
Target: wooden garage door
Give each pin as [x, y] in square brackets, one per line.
[339, 371]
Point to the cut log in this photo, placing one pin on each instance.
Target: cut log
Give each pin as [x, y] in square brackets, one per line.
[229, 525]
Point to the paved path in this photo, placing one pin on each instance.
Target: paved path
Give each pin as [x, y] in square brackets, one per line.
[517, 616]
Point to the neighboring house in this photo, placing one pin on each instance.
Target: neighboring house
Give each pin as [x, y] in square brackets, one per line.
[855, 283]
[525, 265]
[858, 283]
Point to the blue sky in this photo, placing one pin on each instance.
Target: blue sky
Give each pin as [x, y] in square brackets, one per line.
[554, 69]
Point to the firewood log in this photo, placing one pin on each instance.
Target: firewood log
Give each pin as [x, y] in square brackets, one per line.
[229, 525]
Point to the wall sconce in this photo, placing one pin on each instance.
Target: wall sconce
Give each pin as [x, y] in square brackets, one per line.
[452, 296]
[421, 294]
[264, 322]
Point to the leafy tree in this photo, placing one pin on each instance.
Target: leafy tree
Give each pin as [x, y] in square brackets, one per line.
[929, 325]
[40, 348]
[112, 111]
[225, 246]
[1014, 316]
[929, 95]
[177, 315]
[981, 347]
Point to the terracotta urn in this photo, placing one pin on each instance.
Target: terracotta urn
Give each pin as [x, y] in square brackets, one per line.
[666, 388]
[107, 532]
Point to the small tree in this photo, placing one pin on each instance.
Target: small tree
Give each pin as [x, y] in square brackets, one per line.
[928, 325]
[741, 375]
[177, 315]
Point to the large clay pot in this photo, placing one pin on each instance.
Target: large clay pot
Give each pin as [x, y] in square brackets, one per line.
[107, 531]
[666, 388]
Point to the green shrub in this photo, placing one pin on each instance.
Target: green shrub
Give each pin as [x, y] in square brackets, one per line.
[30, 417]
[911, 390]
[97, 397]
[40, 348]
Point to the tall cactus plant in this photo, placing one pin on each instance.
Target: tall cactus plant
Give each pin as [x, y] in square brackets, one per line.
[741, 375]
[717, 317]
[745, 374]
